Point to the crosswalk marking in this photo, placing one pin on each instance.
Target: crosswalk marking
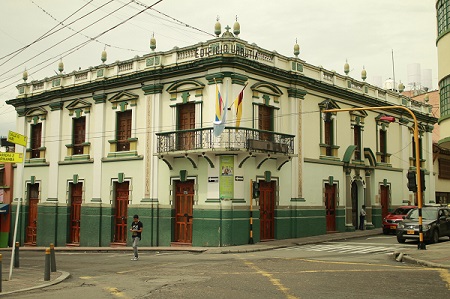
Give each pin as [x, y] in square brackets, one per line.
[344, 248]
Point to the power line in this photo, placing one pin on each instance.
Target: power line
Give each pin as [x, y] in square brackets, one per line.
[76, 48]
[17, 52]
[51, 47]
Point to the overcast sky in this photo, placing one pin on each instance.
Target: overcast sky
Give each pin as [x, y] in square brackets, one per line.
[364, 32]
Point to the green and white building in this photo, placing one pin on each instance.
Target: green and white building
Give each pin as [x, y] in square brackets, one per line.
[139, 137]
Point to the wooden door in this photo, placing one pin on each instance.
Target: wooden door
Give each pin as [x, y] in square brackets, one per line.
[75, 212]
[31, 229]
[184, 206]
[330, 206]
[265, 122]
[123, 130]
[121, 212]
[267, 210]
[384, 201]
[186, 121]
[355, 210]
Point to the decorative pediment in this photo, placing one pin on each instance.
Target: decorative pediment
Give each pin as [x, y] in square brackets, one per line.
[329, 104]
[36, 114]
[123, 98]
[185, 85]
[266, 88]
[39, 111]
[79, 106]
[186, 89]
[357, 117]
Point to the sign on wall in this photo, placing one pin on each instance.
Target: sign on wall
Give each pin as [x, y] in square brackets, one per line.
[226, 187]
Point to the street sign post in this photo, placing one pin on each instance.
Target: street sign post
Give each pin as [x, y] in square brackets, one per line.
[17, 158]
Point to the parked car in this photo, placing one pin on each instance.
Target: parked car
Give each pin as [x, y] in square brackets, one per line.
[392, 219]
[435, 224]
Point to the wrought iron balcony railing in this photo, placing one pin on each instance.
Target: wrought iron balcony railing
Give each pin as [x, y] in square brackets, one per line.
[231, 139]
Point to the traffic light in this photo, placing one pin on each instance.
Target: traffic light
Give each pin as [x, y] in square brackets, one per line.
[422, 179]
[255, 190]
[412, 184]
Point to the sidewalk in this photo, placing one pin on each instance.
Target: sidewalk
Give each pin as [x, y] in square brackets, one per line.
[29, 278]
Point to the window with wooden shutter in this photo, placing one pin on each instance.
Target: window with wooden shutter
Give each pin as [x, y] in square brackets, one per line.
[36, 134]
[383, 146]
[328, 140]
[357, 141]
[265, 122]
[79, 133]
[123, 130]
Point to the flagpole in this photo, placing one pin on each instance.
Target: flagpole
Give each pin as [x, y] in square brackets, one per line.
[229, 108]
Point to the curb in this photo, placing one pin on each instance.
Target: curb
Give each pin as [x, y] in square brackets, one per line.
[64, 275]
[405, 258]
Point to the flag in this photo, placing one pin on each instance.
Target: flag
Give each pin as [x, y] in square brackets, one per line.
[219, 106]
[220, 117]
[238, 104]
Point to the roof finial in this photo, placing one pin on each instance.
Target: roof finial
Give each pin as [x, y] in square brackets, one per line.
[104, 54]
[153, 42]
[364, 74]
[236, 27]
[60, 66]
[346, 67]
[217, 28]
[296, 49]
[25, 75]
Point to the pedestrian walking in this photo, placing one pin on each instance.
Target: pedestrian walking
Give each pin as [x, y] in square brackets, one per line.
[362, 217]
[136, 234]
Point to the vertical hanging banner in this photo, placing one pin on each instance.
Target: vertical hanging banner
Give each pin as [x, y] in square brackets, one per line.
[226, 181]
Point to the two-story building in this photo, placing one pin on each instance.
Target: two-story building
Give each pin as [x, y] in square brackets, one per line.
[179, 137]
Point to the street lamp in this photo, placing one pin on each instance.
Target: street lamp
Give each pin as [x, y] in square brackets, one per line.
[421, 244]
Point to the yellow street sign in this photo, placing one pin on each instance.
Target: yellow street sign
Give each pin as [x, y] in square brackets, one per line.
[17, 138]
[11, 157]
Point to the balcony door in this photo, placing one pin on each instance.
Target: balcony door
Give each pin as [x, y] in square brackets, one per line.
[265, 122]
[186, 121]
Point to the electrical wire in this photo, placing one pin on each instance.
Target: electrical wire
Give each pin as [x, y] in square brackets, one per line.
[76, 48]
[70, 36]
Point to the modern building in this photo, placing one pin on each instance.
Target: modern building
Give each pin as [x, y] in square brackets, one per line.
[443, 48]
[180, 137]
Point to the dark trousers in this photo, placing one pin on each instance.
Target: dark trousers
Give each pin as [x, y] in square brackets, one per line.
[361, 222]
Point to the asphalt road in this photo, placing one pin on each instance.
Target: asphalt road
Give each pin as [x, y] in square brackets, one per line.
[360, 268]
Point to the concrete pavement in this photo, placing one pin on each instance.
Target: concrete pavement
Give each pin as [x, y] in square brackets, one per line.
[29, 278]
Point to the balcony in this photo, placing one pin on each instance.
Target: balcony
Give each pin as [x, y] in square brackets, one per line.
[241, 141]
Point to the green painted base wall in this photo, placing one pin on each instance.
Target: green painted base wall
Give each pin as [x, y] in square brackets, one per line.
[212, 227]
[46, 221]
[4, 238]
